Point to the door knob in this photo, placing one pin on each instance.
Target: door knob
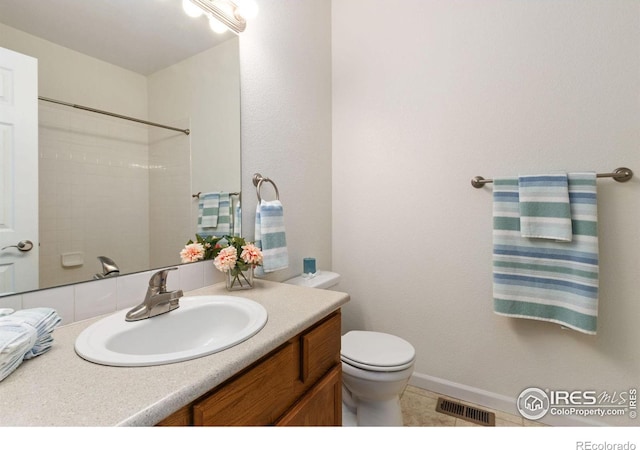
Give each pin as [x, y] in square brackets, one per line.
[23, 246]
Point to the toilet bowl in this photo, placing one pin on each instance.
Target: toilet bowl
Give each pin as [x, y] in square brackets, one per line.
[376, 367]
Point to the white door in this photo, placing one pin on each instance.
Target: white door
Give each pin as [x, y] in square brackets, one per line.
[18, 172]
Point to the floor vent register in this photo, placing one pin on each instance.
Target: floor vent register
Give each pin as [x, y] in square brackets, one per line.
[465, 412]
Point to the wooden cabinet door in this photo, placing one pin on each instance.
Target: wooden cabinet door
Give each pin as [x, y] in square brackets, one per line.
[258, 397]
[300, 383]
[321, 406]
[180, 418]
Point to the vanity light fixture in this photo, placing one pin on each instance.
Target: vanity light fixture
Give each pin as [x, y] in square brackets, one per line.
[222, 14]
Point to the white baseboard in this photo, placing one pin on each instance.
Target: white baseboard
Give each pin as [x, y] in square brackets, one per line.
[491, 400]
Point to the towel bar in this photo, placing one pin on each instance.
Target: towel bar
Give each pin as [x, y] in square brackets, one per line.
[621, 174]
[257, 182]
[198, 194]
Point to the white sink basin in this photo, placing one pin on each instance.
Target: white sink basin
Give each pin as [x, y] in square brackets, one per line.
[202, 325]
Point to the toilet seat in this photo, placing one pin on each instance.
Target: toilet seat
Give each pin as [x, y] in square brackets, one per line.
[376, 352]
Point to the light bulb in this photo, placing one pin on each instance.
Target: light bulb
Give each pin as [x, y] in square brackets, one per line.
[216, 25]
[248, 9]
[191, 9]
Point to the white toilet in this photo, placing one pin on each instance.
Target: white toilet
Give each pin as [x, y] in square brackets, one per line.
[376, 367]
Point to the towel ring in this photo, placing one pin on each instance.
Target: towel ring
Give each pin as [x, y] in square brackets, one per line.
[257, 182]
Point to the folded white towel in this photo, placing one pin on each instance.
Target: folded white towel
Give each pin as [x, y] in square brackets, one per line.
[16, 339]
[43, 319]
[270, 236]
[25, 334]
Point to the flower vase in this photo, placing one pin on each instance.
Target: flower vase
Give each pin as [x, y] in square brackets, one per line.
[238, 279]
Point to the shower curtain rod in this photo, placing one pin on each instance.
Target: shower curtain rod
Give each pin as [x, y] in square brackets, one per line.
[119, 116]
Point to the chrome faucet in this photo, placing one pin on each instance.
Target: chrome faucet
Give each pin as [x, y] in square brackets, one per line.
[109, 268]
[158, 300]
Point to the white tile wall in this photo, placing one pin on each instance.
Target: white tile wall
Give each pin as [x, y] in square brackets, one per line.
[170, 201]
[85, 300]
[131, 289]
[91, 166]
[95, 298]
[60, 299]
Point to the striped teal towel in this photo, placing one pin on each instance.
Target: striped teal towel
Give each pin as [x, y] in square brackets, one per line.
[208, 209]
[222, 211]
[237, 216]
[544, 279]
[544, 207]
[270, 236]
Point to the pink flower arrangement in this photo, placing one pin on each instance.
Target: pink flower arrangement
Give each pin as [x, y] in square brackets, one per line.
[224, 251]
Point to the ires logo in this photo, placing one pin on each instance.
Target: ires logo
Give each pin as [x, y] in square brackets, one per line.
[535, 403]
[573, 398]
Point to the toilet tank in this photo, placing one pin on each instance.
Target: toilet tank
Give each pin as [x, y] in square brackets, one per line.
[322, 280]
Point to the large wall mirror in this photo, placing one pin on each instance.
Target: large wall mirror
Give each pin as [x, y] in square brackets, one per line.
[109, 186]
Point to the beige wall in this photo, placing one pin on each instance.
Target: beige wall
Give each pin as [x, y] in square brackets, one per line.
[285, 60]
[464, 88]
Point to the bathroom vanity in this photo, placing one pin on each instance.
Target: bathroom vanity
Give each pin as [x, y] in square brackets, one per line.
[287, 374]
[299, 383]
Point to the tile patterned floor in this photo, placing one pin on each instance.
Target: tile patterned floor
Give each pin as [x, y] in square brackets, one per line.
[419, 410]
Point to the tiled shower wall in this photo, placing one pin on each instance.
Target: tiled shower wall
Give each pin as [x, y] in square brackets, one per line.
[170, 201]
[90, 167]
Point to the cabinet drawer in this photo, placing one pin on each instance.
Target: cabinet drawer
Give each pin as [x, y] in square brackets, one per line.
[258, 397]
[320, 349]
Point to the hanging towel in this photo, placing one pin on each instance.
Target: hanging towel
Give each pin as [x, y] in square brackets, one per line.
[270, 236]
[214, 214]
[224, 215]
[237, 216]
[208, 209]
[544, 279]
[544, 207]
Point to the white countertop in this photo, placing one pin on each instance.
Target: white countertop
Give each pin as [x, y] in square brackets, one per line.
[59, 388]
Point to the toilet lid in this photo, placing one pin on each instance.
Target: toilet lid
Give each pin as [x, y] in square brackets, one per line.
[372, 350]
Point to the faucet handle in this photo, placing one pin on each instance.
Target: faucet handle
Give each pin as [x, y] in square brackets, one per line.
[159, 279]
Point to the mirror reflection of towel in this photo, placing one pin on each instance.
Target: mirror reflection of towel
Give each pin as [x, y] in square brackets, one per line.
[270, 236]
[214, 214]
[208, 209]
